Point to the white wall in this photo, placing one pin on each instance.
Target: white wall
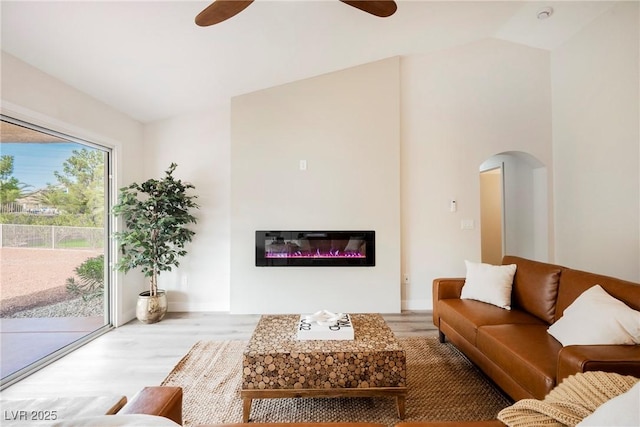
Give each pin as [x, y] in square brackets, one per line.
[460, 107]
[199, 144]
[346, 126]
[596, 146]
[35, 97]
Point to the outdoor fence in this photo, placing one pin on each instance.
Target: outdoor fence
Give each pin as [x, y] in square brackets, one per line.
[51, 237]
[10, 207]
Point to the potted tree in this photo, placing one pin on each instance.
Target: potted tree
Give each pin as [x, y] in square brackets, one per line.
[156, 215]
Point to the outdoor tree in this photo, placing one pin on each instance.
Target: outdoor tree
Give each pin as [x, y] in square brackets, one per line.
[80, 187]
[10, 188]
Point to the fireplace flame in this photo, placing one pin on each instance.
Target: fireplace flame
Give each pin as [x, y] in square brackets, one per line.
[315, 248]
[317, 254]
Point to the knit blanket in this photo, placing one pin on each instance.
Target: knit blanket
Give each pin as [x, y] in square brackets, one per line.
[569, 402]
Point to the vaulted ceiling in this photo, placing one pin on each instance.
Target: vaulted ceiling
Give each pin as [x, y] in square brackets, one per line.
[149, 60]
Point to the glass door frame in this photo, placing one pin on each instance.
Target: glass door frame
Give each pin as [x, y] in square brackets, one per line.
[109, 275]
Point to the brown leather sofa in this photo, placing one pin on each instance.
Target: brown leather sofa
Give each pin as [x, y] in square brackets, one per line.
[158, 400]
[513, 347]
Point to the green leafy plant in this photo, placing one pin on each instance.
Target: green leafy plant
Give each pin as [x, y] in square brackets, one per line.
[156, 215]
[10, 188]
[80, 186]
[91, 279]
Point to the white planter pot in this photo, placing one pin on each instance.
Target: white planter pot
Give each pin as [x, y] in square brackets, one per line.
[151, 309]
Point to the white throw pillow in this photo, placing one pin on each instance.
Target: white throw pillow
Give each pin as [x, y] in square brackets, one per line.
[597, 318]
[622, 410]
[489, 283]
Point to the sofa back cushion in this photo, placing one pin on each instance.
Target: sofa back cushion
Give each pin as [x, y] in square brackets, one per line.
[535, 287]
[574, 282]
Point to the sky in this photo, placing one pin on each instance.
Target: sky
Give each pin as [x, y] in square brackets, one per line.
[34, 163]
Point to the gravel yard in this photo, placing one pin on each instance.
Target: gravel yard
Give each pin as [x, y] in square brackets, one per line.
[32, 283]
[70, 308]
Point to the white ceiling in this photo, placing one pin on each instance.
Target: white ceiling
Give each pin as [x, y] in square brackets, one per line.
[149, 60]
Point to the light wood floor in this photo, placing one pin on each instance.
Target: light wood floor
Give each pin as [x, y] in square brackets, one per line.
[136, 355]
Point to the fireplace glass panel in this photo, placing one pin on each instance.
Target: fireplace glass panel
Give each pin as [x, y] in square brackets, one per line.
[315, 248]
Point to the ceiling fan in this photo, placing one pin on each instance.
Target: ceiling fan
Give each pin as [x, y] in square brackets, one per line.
[221, 10]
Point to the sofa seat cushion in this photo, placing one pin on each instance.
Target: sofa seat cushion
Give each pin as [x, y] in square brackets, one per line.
[465, 316]
[526, 351]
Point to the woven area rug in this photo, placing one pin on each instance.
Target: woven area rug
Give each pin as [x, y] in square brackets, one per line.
[442, 385]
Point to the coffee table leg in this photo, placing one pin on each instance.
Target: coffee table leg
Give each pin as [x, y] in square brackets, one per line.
[246, 409]
[400, 402]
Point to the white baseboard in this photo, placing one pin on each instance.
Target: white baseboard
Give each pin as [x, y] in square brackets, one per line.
[423, 304]
[417, 304]
[190, 307]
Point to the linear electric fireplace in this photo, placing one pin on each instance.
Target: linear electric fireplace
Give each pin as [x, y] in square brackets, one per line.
[315, 248]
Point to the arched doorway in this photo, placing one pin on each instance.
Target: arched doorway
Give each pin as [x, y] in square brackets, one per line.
[524, 225]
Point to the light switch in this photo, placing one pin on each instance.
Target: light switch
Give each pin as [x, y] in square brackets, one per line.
[467, 224]
[303, 165]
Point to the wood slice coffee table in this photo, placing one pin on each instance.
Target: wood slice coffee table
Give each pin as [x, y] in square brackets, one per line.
[277, 365]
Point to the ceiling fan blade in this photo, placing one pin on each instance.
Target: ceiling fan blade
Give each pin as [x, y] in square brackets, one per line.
[221, 10]
[381, 8]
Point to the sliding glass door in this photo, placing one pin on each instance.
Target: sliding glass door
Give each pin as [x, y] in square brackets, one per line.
[54, 280]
